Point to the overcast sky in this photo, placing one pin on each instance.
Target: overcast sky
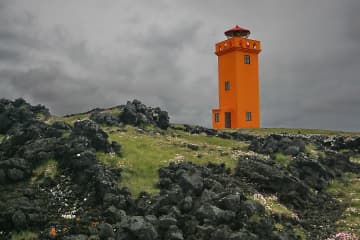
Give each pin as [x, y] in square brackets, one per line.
[76, 55]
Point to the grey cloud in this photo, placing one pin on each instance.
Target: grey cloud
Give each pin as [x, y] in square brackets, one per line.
[72, 57]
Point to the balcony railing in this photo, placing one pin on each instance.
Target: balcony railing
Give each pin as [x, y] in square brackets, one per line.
[238, 42]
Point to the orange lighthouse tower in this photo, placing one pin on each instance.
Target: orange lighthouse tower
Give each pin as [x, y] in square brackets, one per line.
[239, 100]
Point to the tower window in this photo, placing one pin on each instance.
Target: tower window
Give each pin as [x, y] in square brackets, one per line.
[217, 117]
[248, 116]
[227, 86]
[247, 59]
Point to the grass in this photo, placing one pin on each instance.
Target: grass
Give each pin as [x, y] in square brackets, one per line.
[46, 169]
[267, 131]
[282, 159]
[1, 138]
[347, 191]
[272, 205]
[24, 235]
[355, 159]
[114, 111]
[299, 232]
[143, 154]
[70, 120]
[310, 149]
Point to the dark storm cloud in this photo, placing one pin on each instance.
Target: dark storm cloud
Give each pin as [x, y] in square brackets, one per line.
[71, 56]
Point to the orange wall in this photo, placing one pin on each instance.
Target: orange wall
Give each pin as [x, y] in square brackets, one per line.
[243, 95]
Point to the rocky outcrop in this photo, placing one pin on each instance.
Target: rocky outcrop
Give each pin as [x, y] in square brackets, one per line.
[212, 132]
[18, 112]
[278, 143]
[134, 113]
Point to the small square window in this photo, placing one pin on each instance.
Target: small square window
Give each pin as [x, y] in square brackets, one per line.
[217, 117]
[227, 86]
[247, 59]
[248, 116]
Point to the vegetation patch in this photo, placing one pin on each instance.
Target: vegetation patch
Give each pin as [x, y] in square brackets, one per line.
[1, 138]
[300, 233]
[24, 235]
[68, 119]
[355, 159]
[282, 159]
[347, 191]
[143, 153]
[46, 169]
[272, 205]
[293, 131]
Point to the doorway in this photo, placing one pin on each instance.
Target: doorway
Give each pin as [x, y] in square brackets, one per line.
[227, 119]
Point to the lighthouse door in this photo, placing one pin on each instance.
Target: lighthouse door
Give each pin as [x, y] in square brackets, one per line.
[227, 119]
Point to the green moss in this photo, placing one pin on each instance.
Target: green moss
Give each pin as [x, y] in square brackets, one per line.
[114, 111]
[46, 169]
[41, 117]
[300, 233]
[321, 154]
[66, 134]
[279, 226]
[255, 218]
[282, 159]
[24, 235]
[355, 159]
[70, 120]
[347, 191]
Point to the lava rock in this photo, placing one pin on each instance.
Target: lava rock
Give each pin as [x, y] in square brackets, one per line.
[97, 137]
[105, 231]
[104, 118]
[19, 220]
[142, 229]
[191, 181]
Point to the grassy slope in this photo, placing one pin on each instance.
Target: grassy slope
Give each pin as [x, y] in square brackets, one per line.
[347, 190]
[145, 152]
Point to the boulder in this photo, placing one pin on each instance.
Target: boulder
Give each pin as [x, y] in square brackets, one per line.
[76, 237]
[19, 220]
[105, 118]
[166, 221]
[140, 228]
[191, 181]
[92, 131]
[174, 233]
[105, 231]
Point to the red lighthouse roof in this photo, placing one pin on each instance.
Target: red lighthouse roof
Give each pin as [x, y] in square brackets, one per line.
[237, 32]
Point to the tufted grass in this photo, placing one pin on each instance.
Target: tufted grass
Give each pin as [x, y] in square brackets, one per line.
[46, 169]
[347, 190]
[24, 235]
[70, 119]
[282, 159]
[144, 153]
[355, 159]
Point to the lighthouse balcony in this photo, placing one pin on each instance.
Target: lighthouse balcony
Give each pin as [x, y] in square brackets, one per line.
[237, 43]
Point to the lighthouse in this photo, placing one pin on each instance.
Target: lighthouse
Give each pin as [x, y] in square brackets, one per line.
[238, 79]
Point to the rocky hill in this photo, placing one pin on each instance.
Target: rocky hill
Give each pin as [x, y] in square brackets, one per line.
[126, 173]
